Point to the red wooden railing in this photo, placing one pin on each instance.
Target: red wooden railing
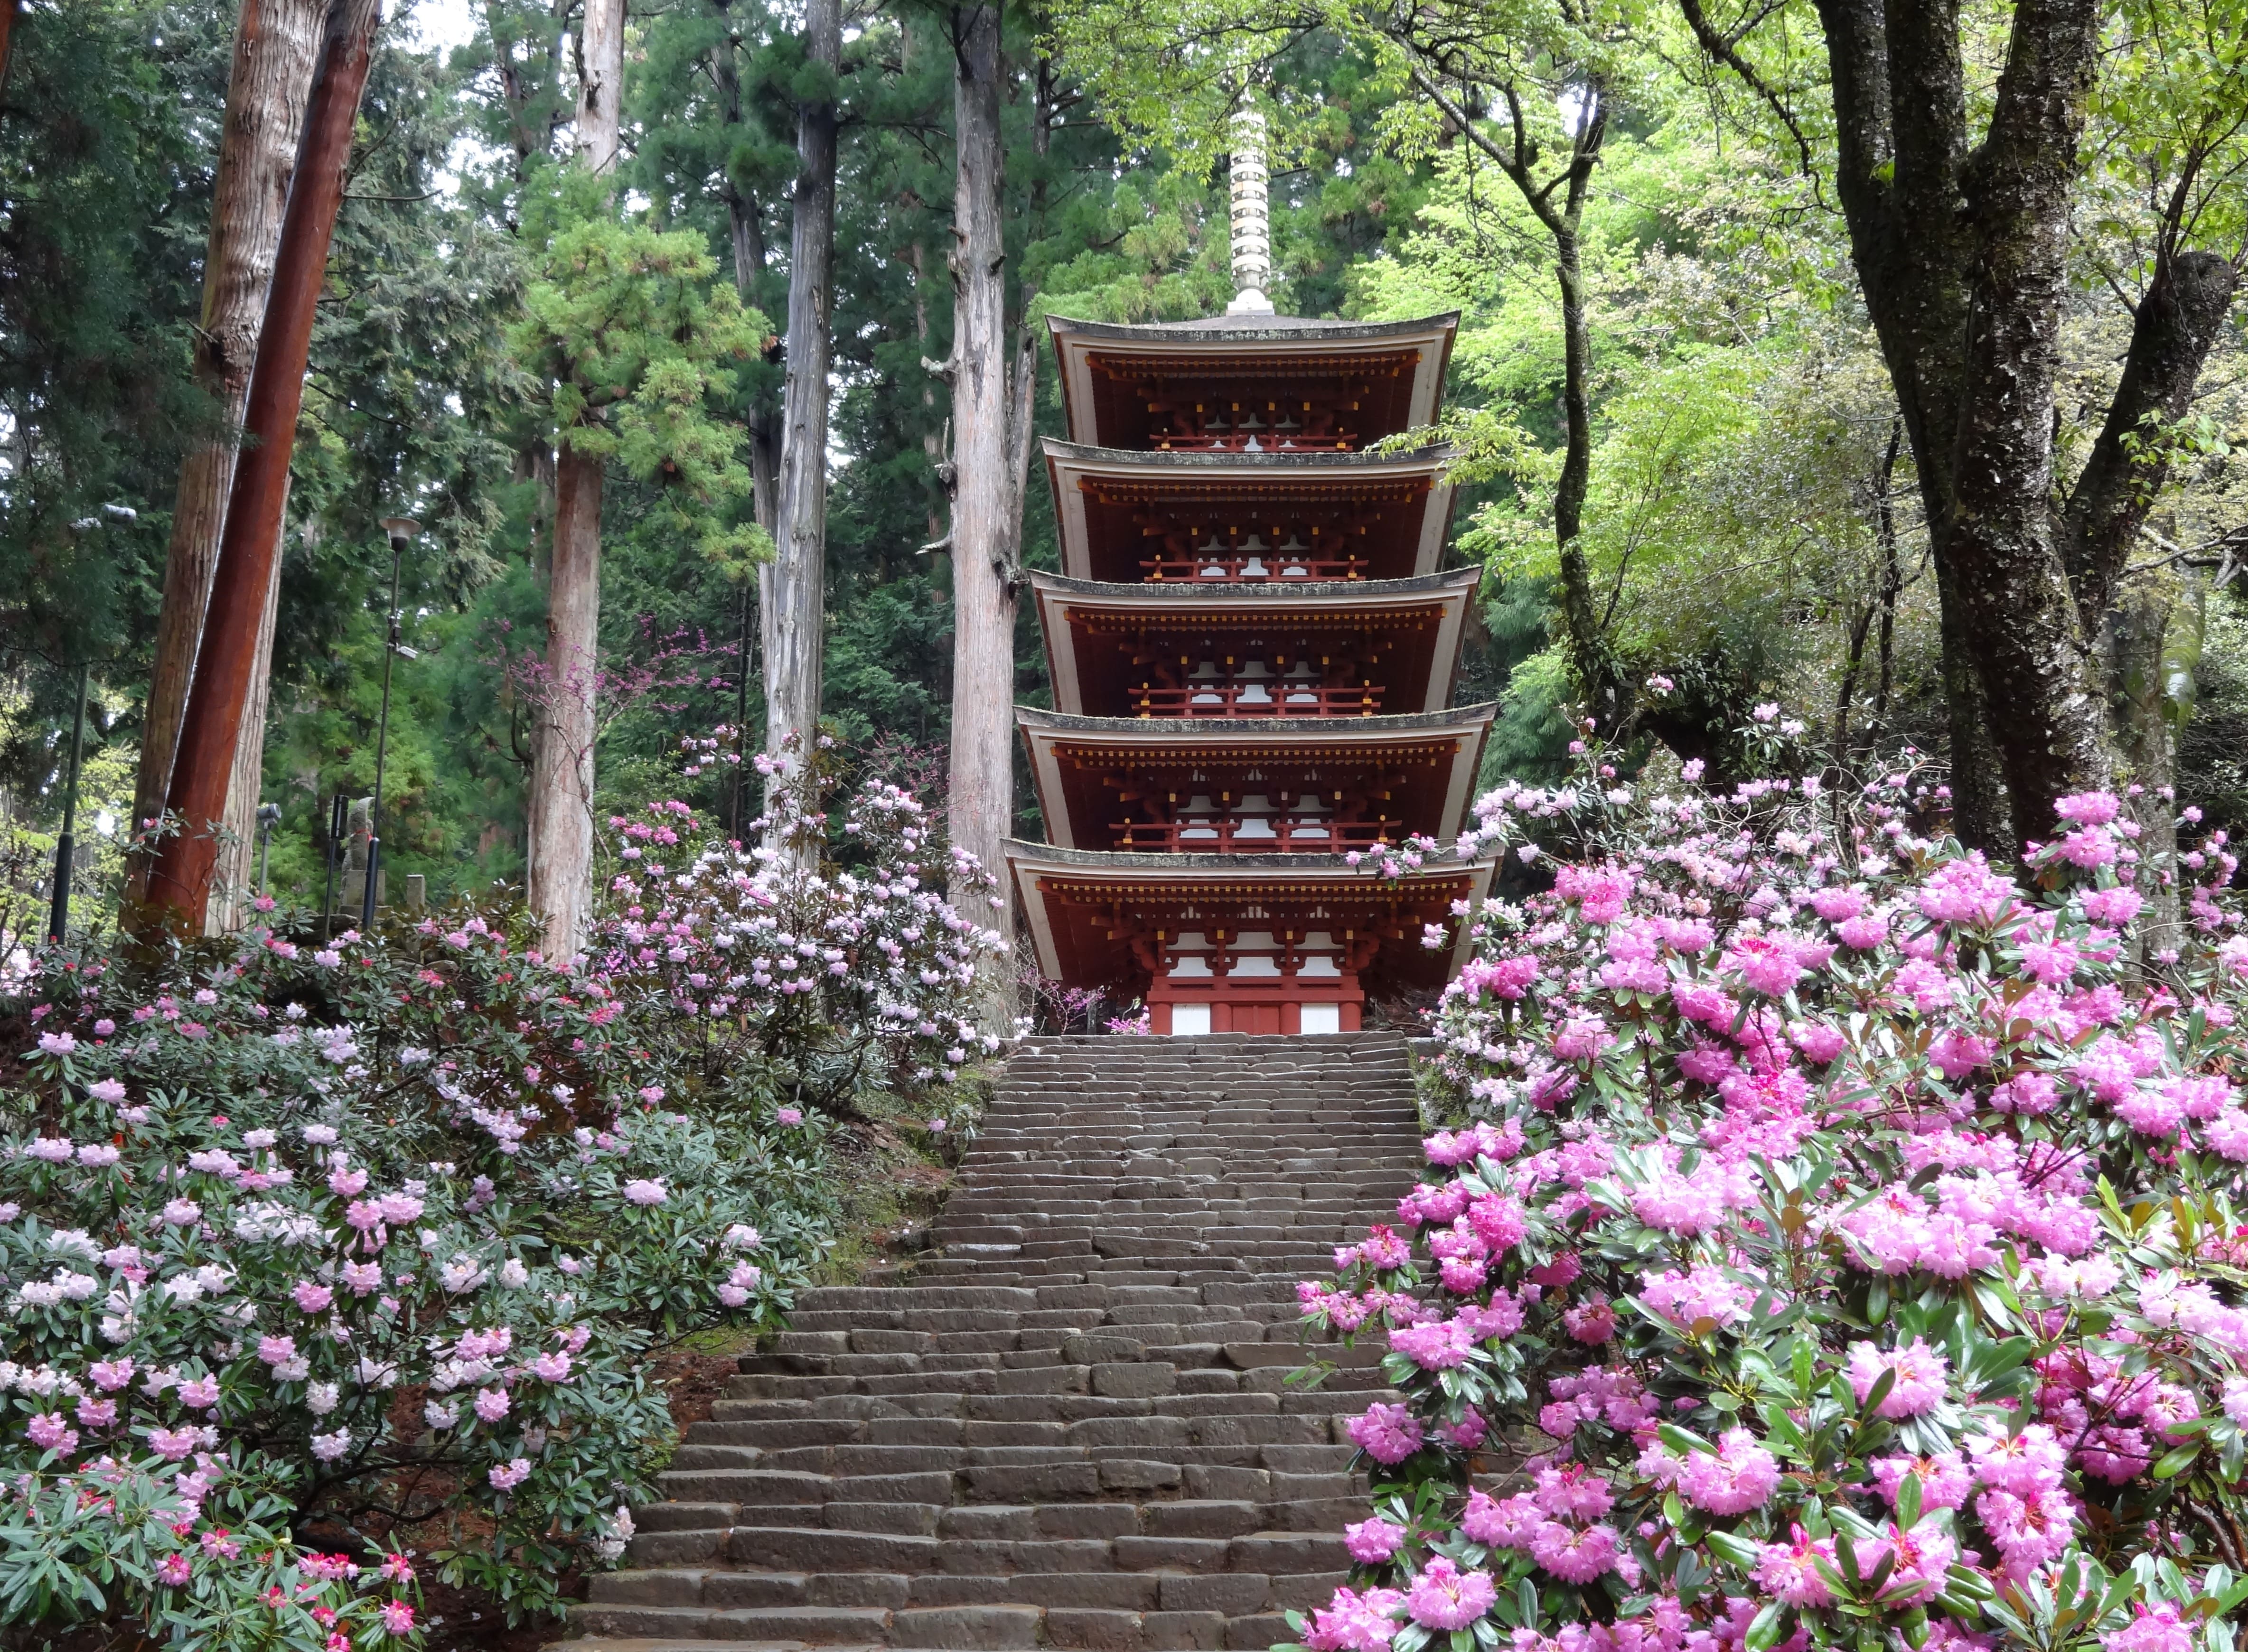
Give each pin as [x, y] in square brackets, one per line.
[1278, 836]
[1274, 699]
[1262, 565]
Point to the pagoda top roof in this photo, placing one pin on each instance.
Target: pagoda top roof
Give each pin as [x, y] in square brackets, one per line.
[1148, 384]
[1254, 329]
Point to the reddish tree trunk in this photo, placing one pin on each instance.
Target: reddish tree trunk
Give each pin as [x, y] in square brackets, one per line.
[561, 834]
[276, 42]
[236, 868]
[8, 10]
[179, 883]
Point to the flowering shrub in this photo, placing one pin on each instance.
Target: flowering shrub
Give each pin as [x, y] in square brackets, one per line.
[770, 959]
[1839, 1245]
[311, 1251]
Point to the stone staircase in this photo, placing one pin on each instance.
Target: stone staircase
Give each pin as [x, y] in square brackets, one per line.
[1070, 1425]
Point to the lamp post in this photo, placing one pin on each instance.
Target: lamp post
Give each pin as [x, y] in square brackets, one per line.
[268, 816]
[336, 816]
[401, 529]
[66, 840]
[58, 913]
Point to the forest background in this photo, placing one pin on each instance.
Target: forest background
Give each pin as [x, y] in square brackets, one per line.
[1751, 531]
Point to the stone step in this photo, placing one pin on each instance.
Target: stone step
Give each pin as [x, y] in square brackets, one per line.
[1093, 1610]
[1067, 1423]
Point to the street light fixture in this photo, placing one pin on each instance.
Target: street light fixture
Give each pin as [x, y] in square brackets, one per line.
[66, 841]
[401, 530]
[268, 816]
[59, 911]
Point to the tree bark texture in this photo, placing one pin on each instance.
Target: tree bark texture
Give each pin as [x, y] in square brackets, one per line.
[276, 42]
[1593, 659]
[9, 8]
[561, 868]
[2139, 633]
[2043, 699]
[179, 883]
[1960, 257]
[986, 519]
[793, 587]
[600, 84]
[560, 851]
[237, 846]
[746, 233]
[1901, 138]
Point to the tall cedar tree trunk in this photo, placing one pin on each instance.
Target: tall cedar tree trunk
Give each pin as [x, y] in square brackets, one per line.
[276, 42]
[179, 883]
[237, 866]
[793, 587]
[561, 846]
[986, 488]
[1960, 258]
[746, 232]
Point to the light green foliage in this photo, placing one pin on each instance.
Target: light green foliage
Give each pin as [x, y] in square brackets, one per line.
[634, 337]
[1742, 415]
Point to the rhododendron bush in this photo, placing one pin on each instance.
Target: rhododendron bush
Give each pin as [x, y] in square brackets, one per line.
[1838, 1243]
[313, 1253]
[777, 960]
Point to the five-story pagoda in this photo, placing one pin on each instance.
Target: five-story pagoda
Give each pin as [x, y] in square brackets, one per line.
[1252, 657]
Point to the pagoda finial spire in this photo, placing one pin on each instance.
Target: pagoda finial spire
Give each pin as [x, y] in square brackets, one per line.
[1252, 228]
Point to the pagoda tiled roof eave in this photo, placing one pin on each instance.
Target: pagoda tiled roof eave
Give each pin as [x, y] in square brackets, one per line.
[1053, 858]
[1070, 467]
[1234, 330]
[1027, 862]
[1267, 461]
[1045, 732]
[1183, 593]
[1174, 602]
[1257, 727]
[1223, 342]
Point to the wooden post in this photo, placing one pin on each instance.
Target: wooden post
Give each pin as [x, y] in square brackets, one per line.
[179, 883]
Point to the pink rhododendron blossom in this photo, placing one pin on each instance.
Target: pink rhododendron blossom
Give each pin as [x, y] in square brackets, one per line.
[1790, 1571]
[1389, 1433]
[1373, 1540]
[1917, 1371]
[1355, 1622]
[2160, 1628]
[508, 1475]
[1442, 1597]
[1574, 1555]
[1740, 1476]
